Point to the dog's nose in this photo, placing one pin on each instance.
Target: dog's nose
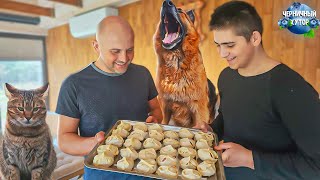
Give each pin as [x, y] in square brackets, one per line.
[167, 3]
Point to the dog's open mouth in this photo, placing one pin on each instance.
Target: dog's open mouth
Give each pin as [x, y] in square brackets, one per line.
[171, 28]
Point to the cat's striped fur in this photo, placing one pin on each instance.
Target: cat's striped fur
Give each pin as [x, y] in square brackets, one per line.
[26, 148]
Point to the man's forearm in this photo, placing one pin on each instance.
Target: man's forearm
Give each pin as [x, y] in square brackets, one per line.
[73, 144]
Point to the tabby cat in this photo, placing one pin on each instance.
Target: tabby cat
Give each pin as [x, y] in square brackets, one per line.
[26, 149]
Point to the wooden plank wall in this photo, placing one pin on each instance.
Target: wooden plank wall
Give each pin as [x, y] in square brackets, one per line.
[67, 55]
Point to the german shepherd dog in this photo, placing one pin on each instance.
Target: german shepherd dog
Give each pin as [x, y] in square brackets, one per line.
[181, 79]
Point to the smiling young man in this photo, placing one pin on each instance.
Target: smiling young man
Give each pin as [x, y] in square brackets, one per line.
[269, 115]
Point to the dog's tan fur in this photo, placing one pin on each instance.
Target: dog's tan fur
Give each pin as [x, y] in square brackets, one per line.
[181, 79]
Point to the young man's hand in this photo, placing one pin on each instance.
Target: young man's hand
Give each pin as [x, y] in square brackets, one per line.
[235, 155]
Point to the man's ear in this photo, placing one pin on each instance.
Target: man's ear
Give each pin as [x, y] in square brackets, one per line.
[256, 38]
[191, 15]
[96, 46]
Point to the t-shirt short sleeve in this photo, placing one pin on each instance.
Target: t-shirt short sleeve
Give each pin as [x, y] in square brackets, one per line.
[152, 88]
[67, 100]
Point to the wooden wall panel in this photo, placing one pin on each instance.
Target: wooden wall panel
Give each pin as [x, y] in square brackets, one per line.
[67, 55]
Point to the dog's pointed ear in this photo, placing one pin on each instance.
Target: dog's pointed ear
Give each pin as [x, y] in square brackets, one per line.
[191, 15]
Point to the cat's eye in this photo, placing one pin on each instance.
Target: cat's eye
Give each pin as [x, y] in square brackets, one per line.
[20, 108]
[35, 109]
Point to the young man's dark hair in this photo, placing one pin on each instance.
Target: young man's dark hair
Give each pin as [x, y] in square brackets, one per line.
[239, 15]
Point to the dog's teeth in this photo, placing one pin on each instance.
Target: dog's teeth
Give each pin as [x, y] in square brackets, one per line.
[166, 31]
[166, 35]
[177, 35]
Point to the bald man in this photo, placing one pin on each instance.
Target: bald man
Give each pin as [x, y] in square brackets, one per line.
[109, 89]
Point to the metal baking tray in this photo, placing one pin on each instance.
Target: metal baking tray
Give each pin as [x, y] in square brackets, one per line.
[88, 162]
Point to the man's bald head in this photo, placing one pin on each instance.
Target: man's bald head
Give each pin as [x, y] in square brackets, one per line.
[113, 25]
[115, 45]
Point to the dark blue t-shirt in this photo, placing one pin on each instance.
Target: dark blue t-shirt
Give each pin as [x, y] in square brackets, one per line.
[99, 99]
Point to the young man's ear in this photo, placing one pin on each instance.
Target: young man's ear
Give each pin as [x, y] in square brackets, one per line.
[96, 46]
[256, 38]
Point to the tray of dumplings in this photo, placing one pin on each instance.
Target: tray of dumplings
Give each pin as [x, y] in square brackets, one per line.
[158, 151]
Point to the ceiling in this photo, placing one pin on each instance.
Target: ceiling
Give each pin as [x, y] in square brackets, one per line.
[52, 13]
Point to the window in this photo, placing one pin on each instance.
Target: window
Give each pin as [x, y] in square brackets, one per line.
[22, 64]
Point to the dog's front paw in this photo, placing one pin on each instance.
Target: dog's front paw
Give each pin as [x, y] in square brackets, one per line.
[202, 126]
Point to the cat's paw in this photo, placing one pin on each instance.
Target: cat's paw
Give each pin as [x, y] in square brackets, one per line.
[37, 174]
[13, 173]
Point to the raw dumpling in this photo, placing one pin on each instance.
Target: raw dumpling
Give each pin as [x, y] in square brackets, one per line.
[124, 125]
[140, 125]
[155, 127]
[103, 160]
[168, 150]
[185, 152]
[185, 133]
[147, 166]
[202, 144]
[207, 136]
[122, 132]
[115, 139]
[165, 160]
[125, 164]
[129, 152]
[188, 163]
[207, 168]
[170, 172]
[190, 174]
[148, 154]
[109, 150]
[207, 154]
[156, 135]
[174, 143]
[171, 134]
[202, 135]
[186, 142]
[138, 134]
[133, 142]
[152, 143]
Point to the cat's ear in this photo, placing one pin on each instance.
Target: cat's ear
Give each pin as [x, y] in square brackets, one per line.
[44, 90]
[9, 90]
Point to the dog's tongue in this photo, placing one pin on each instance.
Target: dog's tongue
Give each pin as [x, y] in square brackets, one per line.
[170, 37]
